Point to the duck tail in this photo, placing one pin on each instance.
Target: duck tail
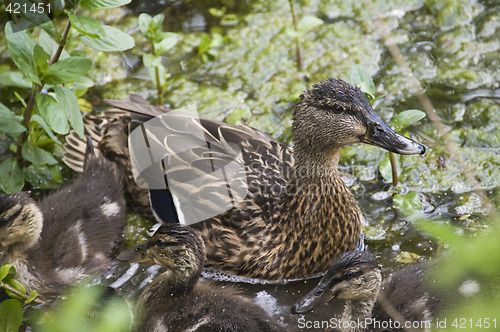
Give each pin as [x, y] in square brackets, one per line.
[95, 127]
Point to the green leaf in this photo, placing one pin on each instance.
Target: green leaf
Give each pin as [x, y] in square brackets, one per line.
[167, 43]
[156, 23]
[15, 79]
[67, 70]
[11, 312]
[36, 155]
[35, 16]
[440, 230]
[21, 48]
[361, 78]
[69, 103]
[217, 12]
[53, 113]
[44, 177]
[11, 177]
[405, 119]
[308, 23]
[31, 297]
[16, 285]
[87, 26]
[144, 23]
[385, 168]
[49, 45]
[408, 204]
[10, 123]
[41, 59]
[102, 4]
[5, 270]
[229, 19]
[81, 86]
[115, 40]
[38, 119]
[152, 62]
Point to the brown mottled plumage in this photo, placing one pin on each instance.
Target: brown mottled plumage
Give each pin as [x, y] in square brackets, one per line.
[68, 234]
[175, 301]
[356, 278]
[298, 215]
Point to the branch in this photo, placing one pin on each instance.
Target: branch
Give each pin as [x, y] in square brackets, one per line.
[28, 111]
[18, 293]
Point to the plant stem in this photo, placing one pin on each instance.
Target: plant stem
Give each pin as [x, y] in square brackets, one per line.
[159, 88]
[28, 111]
[18, 293]
[394, 168]
[297, 40]
[62, 43]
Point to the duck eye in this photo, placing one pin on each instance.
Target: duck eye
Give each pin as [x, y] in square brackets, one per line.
[318, 293]
[338, 109]
[4, 220]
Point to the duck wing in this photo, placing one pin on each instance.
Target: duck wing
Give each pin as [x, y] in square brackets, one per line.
[209, 166]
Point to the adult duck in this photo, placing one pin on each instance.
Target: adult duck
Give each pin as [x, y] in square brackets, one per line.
[67, 235]
[176, 301]
[298, 215]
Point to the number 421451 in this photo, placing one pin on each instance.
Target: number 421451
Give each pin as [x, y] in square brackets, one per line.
[463, 323]
[35, 8]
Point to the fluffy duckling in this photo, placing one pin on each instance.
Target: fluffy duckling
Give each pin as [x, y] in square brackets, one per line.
[297, 215]
[176, 301]
[68, 234]
[356, 278]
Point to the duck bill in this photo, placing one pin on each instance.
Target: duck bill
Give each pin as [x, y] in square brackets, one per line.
[379, 134]
[318, 296]
[134, 255]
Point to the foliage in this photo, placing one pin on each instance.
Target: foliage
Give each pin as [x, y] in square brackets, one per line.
[52, 73]
[467, 275]
[11, 310]
[161, 42]
[390, 165]
[86, 310]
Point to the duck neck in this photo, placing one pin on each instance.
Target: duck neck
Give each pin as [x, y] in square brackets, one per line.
[355, 314]
[312, 165]
[176, 282]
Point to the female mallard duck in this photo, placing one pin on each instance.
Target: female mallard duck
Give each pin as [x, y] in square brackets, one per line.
[298, 215]
[356, 278]
[68, 234]
[175, 301]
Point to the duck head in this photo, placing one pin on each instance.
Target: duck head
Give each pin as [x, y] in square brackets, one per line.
[354, 276]
[173, 246]
[333, 114]
[21, 222]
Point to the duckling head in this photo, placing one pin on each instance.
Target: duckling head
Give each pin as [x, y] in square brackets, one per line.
[354, 276]
[333, 114]
[21, 222]
[173, 246]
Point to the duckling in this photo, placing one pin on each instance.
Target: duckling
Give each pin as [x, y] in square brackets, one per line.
[67, 235]
[356, 278]
[176, 301]
[298, 215]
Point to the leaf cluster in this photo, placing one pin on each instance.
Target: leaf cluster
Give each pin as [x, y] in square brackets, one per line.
[52, 72]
